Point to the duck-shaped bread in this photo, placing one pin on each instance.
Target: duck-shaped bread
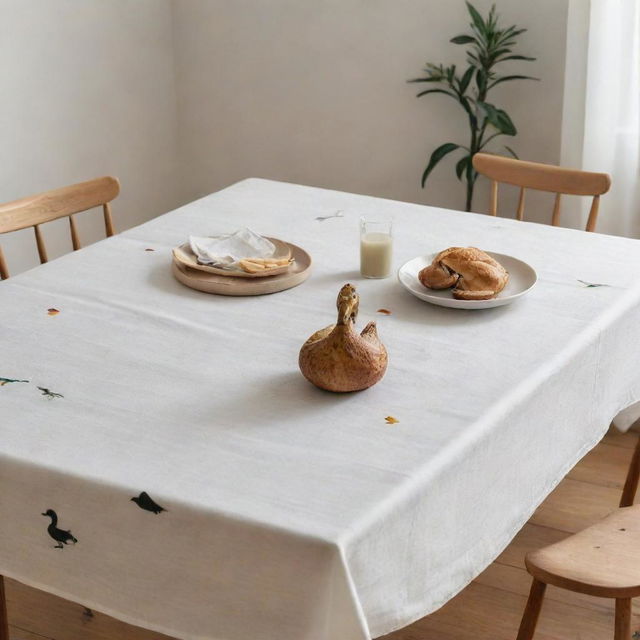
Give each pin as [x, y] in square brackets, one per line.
[337, 358]
[473, 274]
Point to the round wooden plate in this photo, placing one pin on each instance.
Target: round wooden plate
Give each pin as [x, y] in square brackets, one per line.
[185, 256]
[297, 273]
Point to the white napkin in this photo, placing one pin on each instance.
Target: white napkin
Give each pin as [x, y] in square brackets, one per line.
[227, 250]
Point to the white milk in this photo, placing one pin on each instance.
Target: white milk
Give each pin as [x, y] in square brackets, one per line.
[375, 254]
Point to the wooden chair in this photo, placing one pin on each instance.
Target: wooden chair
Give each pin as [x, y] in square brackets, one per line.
[603, 561]
[4, 621]
[631, 482]
[542, 177]
[51, 205]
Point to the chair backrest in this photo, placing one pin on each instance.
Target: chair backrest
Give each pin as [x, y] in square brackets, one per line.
[542, 177]
[58, 203]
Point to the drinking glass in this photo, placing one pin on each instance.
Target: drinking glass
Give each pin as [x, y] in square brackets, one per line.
[376, 244]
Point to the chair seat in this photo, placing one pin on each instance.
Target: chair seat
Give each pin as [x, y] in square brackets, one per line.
[602, 560]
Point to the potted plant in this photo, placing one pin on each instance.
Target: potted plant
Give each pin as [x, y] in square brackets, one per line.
[489, 45]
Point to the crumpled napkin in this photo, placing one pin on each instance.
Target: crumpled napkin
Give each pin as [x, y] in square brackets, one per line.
[227, 250]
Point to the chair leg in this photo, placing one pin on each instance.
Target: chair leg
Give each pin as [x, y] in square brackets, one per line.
[623, 619]
[631, 483]
[4, 620]
[532, 610]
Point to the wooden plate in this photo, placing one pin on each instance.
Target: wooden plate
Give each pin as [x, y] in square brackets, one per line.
[298, 272]
[185, 256]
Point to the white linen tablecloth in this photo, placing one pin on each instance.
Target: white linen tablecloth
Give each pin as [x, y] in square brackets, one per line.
[292, 513]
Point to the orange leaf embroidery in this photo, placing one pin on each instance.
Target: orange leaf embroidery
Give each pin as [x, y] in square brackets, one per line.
[53, 312]
[386, 312]
[391, 420]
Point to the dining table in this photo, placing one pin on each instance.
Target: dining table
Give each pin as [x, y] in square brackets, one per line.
[164, 461]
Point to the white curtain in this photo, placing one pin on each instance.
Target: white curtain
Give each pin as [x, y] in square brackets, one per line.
[612, 112]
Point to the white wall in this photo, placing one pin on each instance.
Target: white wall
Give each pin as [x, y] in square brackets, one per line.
[316, 93]
[179, 98]
[87, 90]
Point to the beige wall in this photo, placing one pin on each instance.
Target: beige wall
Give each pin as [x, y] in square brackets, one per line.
[180, 98]
[315, 92]
[87, 89]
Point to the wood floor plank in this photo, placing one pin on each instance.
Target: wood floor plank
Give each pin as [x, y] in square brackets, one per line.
[530, 537]
[606, 465]
[16, 633]
[619, 439]
[574, 505]
[47, 615]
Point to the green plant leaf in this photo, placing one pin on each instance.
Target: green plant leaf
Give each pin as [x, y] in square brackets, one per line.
[436, 156]
[516, 57]
[427, 79]
[507, 78]
[476, 17]
[466, 78]
[461, 165]
[512, 152]
[424, 93]
[462, 39]
[498, 118]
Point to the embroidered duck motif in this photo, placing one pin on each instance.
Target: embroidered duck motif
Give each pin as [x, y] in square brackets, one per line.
[59, 535]
[50, 394]
[145, 502]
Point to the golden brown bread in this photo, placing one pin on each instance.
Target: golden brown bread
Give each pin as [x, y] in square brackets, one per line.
[473, 274]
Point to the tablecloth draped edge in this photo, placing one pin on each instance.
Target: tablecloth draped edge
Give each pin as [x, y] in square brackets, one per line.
[501, 544]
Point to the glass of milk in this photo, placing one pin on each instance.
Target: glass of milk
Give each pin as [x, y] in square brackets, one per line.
[376, 245]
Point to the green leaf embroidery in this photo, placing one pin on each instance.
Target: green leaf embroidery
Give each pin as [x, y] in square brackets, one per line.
[4, 381]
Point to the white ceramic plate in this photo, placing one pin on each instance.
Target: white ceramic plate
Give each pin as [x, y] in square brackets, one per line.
[522, 277]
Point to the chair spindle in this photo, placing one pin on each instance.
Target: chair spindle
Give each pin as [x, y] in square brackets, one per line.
[555, 220]
[520, 212]
[42, 250]
[4, 270]
[593, 214]
[494, 198]
[75, 239]
[108, 220]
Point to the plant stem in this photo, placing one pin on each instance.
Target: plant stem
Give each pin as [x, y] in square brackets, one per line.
[469, 194]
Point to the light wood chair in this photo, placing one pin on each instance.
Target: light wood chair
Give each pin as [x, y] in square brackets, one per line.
[4, 621]
[603, 561]
[631, 482]
[58, 203]
[542, 177]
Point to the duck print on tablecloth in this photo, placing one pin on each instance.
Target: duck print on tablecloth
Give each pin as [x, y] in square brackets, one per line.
[4, 381]
[145, 502]
[59, 535]
[50, 394]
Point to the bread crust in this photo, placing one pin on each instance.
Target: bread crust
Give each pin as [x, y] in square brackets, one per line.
[474, 274]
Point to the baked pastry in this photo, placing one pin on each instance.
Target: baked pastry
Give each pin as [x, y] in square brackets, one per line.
[472, 273]
[256, 265]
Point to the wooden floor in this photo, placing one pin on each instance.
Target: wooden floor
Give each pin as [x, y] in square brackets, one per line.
[488, 609]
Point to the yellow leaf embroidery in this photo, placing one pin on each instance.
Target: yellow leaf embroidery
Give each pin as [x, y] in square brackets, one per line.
[391, 420]
[53, 312]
